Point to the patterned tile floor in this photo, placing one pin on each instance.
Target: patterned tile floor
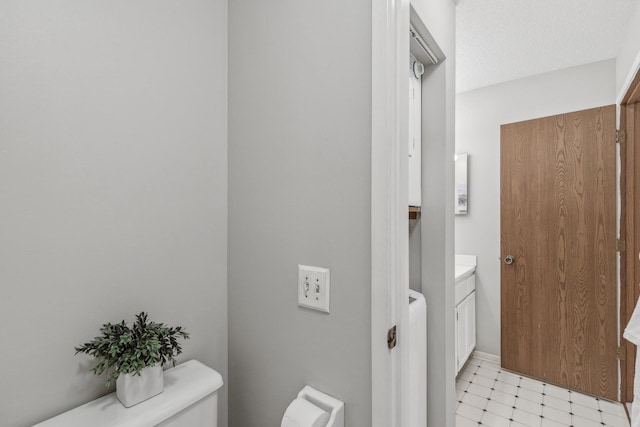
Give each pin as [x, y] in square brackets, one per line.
[489, 396]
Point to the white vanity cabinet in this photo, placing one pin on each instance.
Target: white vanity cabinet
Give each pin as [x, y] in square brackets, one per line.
[466, 322]
[465, 329]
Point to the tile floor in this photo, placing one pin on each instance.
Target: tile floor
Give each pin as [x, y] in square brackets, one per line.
[489, 396]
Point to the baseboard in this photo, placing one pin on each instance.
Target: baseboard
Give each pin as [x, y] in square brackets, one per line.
[486, 356]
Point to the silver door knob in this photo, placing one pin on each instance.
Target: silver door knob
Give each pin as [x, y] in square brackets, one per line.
[509, 259]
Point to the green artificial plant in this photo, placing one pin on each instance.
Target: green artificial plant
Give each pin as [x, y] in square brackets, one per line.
[121, 349]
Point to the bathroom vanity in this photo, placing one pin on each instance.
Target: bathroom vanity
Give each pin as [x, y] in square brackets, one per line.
[465, 297]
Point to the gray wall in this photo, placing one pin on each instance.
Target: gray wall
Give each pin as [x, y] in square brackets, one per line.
[113, 185]
[299, 193]
[479, 114]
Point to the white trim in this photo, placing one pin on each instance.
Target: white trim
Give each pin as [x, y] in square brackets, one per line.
[389, 216]
[486, 356]
[618, 254]
[627, 83]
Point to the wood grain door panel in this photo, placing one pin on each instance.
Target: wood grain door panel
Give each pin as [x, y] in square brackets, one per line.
[558, 210]
[630, 232]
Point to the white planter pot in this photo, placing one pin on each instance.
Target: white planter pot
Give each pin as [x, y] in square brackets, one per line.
[132, 389]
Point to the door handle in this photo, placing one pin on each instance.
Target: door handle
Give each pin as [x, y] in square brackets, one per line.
[509, 259]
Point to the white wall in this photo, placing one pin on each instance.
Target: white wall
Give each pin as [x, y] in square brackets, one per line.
[479, 114]
[113, 187]
[299, 193]
[628, 57]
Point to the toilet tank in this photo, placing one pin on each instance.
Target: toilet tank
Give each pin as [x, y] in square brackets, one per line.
[190, 398]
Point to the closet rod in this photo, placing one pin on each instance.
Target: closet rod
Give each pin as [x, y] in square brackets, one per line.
[423, 45]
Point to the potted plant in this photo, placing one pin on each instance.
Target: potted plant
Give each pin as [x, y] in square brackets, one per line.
[133, 357]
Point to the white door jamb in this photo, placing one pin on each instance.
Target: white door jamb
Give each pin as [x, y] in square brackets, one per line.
[389, 211]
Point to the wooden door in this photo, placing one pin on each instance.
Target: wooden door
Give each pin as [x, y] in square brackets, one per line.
[558, 222]
[629, 227]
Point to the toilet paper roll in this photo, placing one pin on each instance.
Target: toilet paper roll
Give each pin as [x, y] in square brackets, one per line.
[302, 413]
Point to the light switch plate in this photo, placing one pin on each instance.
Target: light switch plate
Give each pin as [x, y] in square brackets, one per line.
[314, 287]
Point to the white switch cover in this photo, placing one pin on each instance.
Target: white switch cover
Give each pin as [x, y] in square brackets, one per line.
[313, 287]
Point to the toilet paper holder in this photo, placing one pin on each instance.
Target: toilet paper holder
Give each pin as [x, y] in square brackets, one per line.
[333, 406]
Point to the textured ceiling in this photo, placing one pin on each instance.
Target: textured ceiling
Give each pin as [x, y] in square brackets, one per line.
[501, 40]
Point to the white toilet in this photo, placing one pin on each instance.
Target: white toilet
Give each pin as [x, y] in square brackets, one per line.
[190, 398]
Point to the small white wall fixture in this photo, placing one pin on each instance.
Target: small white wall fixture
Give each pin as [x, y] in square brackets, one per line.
[461, 184]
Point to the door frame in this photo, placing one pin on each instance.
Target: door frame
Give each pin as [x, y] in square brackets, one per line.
[629, 228]
[389, 217]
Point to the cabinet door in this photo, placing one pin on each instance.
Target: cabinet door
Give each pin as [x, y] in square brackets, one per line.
[455, 340]
[470, 324]
[461, 334]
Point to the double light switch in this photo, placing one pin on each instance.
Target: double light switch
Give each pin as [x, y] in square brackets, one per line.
[313, 287]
